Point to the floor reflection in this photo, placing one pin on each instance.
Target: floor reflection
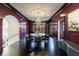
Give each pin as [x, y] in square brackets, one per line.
[42, 47]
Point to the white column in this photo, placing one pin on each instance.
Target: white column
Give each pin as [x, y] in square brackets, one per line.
[59, 30]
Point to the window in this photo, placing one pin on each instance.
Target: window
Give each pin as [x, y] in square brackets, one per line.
[10, 30]
[23, 30]
[5, 32]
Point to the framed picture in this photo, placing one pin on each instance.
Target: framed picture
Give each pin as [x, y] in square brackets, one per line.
[73, 21]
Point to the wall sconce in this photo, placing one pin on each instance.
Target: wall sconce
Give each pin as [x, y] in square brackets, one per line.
[1, 17]
[62, 15]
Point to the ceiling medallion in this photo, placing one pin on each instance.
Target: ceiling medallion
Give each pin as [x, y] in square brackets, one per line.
[38, 12]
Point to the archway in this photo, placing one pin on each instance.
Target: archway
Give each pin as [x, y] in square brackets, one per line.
[11, 32]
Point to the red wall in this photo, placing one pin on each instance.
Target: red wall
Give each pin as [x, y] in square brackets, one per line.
[1, 36]
[68, 35]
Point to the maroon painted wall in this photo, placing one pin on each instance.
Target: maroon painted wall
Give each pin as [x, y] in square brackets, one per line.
[1, 36]
[68, 35]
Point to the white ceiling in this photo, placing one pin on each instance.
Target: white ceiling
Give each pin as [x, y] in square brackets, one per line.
[46, 10]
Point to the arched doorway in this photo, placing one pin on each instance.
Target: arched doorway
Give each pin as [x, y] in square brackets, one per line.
[10, 35]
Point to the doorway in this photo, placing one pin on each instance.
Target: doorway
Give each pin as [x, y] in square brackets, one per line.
[10, 35]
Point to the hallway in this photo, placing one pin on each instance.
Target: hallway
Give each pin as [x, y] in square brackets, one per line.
[39, 29]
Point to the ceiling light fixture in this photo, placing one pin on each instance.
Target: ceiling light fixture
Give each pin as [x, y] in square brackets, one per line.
[62, 15]
[38, 13]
